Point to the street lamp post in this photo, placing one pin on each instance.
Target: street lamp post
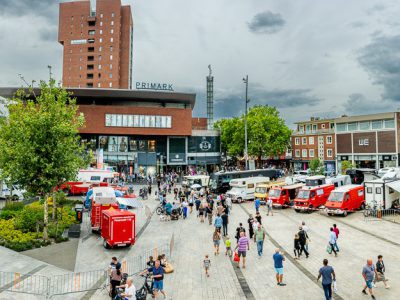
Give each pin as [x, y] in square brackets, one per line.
[246, 81]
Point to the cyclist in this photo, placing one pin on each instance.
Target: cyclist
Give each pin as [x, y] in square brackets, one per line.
[158, 275]
[130, 290]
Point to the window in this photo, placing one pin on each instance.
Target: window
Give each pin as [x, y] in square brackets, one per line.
[301, 128]
[110, 66]
[329, 139]
[304, 141]
[111, 40]
[89, 58]
[323, 126]
[314, 127]
[391, 191]
[341, 127]
[329, 152]
[360, 193]
[250, 186]
[308, 128]
[89, 76]
[92, 23]
[389, 123]
[311, 152]
[112, 15]
[89, 84]
[352, 126]
[319, 192]
[99, 84]
[311, 140]
[112, 31]
[377, 124]
[112, 23]
[90, 67]
[111, 57]
[100, 40]
[91, 41]
[297, 141]
[99, 57]
[378, 190]
[304, 153]
[332, 125]
[110, 75]
[99, 67]
[369, 190]
[90, 49]
[92, 32]
[101, 31]
[100, 48]
[111, 49]
[101, 23]
[110, 85]
[364, 125]
[101, 15]
[297, 153]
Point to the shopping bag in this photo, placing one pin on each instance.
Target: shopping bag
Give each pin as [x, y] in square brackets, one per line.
[236, 257]
[334, 286]
[329, 248]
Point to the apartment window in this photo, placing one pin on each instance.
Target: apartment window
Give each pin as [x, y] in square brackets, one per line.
[314, 127]
[301, 128]
[332, 125]
[92, 23]
[304, 141]
[112, 15]
[101, 23]
[308, 128]
[89, 58]
[304, 153]
[341, 127]
[110, 66]
[90, 67]
[101, 15]
[91, 32]
[364, 125]
[90, 49]
[297, 141]
[112, 23]
[111, 57]
[101, 31]
[146, 121]
[112, 31]
[99, 84]
[111, 40]
[99, 75]
[352, 126]
[80, 68]
[110, 85]
[91, 41]
[377, 124]
[99, 57]
[100, 48]
[329, 153]
[89, 84]
[311, 152]
[89, 76]
[111, 48]
[297, 153]
[389, 123]
[311, 140]
[100, 40]
[329, 139]
[72, 18]
[110, 75]
[99, 67]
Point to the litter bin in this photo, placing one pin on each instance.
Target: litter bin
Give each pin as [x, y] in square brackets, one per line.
[79, 212]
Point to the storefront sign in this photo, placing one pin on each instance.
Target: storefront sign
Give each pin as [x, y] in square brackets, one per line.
[205, 145]
[154, 86]
[387, 157]
[363, 142]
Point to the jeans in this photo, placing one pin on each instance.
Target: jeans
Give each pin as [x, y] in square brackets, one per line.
[260, 247]
[327, 291]
[336, 247]
[333, 248]
[303, 249]
[225, 229]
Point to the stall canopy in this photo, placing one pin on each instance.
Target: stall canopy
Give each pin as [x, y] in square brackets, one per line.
[132, 202]
[394, 185]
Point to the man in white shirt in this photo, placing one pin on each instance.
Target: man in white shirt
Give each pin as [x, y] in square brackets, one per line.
[130, 290]
[306, 230]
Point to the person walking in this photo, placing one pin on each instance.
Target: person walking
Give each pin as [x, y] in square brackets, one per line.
[380, 271]
[116, 277]
[238, 231]
[191, 203]
[250, 222]
[242, 246]
[332, 241]
[278, 265]
[209, 211]
[185, 208]
[258, 217]
[368, 273]
[259, 237]
[336, 231]
[296, 246]
[225, 222]
[201, 213]
[217, 241]
[303, 240]
[307, 231]
[328, 276]
[207, 265]
[158, 276]
[269, 207]
[257, 204]
[218, 223]
[228, 246]
[228, 202]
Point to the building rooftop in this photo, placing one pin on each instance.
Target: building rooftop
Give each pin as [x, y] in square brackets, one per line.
[106, 96]
[379, 116]
[315, 120]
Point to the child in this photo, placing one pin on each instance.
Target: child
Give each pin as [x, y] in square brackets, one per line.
[185, 208]
[228, 245]
[207, 264]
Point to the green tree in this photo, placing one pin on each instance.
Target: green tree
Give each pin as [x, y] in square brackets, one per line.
[39, 141]
[317, 167]
[232, 135]
[345, 165]
[267, 133]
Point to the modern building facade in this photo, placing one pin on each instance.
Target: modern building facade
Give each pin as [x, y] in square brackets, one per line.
[314, 139]
[97, 44]
[368, 141]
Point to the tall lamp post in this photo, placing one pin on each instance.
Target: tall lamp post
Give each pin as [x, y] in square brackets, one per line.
[246, 81]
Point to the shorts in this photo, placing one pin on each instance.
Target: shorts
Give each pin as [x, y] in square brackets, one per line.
[279, 271]
[242, 253]
[217, 242]
[368, 283]
[158, 285]
[269, 208]
[191, 204]
[228, 249]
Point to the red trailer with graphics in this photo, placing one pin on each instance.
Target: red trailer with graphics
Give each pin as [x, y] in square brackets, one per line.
[311, 197]
[118, 228]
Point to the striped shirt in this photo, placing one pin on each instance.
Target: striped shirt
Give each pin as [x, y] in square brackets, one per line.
[243, 243]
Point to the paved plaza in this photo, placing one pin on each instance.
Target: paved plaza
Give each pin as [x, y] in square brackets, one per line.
[358, 241]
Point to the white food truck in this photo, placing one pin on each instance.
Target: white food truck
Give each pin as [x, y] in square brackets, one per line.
[243, 188]
[381, 194]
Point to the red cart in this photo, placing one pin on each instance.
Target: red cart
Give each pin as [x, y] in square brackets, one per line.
[96, 214]
[118, 228]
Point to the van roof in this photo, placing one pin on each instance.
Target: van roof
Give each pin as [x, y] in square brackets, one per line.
[380, 180]
[316, 186]
[315, 177]
[346, 188]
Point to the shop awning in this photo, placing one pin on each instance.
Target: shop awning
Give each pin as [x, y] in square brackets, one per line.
[394, 185]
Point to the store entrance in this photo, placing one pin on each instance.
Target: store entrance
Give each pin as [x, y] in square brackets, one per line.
[370, 164]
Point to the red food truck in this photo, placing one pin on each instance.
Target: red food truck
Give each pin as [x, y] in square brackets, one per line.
[118, 228]
[282, 196]
[96, 214]
[311, 197]
[345, 199]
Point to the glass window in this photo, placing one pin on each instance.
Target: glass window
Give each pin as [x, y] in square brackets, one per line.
[352, 126]
[125, 120]
[304, 141]
[101, 15]
[341, 127]
[110, 85]
[101, 31]
[297, 153]
[389, 123]
[101, 23]
[119, 120]
[304, 153]
[323, 126]
[92, 32]
[329, 139]
[130, 120]
[111, 57]
[112, 15]
[301, 128]
[378, 190]
[146, 121]
[112, 23]
[377, 124]
[100, 40]
[113, 120]
[152, 121]
[311, 151]
[158, 121]
[311, 140]
[308, 128]
[141, 121]
[111, 40]
[169, 125]
[329, 153]
[364, 125]
[135, 121]
[314, 127]
[108, 120]
[297, 141]
[151, 145]
[112, 31]
[163, 121]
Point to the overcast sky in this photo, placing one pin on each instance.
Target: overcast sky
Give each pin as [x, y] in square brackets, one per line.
[307, 57]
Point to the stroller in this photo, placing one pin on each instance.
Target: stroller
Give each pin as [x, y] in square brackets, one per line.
[175, 214]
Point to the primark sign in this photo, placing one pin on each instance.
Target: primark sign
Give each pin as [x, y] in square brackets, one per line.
[154, 86]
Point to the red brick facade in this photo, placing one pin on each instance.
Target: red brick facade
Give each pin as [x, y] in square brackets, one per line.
[97, 48]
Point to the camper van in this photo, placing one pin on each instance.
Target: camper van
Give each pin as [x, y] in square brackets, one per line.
[339, 180]
[244, 188]
[310, 197]
[283, 196]
[382, 194]
[202, 180]
[262, 190]
[344, 199]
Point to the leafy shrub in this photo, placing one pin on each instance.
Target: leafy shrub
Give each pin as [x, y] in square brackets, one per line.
[8, 214]
[27, 219]
[14, 206]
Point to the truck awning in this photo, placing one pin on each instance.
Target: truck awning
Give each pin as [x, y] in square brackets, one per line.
[133, 202]
[394, 185]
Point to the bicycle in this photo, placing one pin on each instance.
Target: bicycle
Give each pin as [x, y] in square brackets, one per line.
[147, 288]
[160, 210]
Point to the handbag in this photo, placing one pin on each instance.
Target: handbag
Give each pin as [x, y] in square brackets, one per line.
[329, 248]
[236, 257]
[335, 286]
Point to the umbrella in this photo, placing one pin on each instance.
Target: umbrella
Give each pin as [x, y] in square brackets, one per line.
[196, 186]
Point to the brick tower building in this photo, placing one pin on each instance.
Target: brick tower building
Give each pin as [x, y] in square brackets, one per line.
[97, 40]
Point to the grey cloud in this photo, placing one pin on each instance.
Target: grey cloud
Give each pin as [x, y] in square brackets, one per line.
[48, 34]
[358, 24]
[381, 59]
[18, 8]
[376, 8]
[358, 104]
[266, 23]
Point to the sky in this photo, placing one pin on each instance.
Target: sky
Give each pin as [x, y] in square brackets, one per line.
[306, 57]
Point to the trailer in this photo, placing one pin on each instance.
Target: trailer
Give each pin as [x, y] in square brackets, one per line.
[118, 228]
[96, 213]
[381, 194]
